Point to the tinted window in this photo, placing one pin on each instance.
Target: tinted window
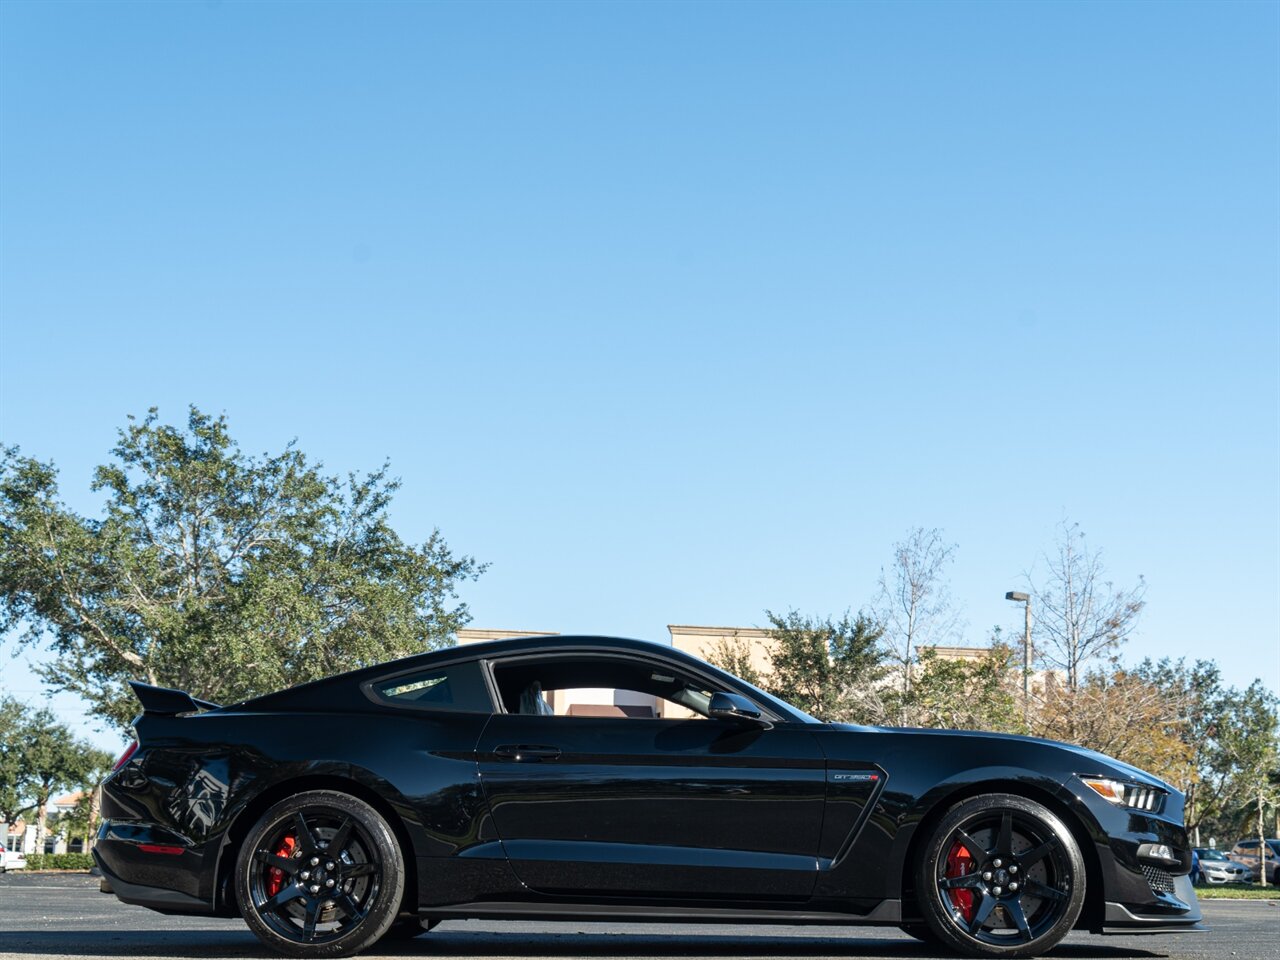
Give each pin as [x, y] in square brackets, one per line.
[634, 687]
[459, 686]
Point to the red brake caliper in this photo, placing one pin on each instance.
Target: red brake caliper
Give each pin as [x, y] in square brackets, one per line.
[275, 876]
[959, 863]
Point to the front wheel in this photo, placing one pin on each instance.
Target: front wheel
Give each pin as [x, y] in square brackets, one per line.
[320, 875]
[1000, 876]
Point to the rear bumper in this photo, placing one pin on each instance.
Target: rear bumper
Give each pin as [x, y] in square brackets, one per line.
[154, 867]
[155, 898]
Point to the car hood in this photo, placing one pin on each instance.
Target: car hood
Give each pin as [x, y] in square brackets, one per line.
[1098, 764]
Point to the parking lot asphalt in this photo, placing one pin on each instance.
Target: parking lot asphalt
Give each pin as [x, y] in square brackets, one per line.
[61, 915]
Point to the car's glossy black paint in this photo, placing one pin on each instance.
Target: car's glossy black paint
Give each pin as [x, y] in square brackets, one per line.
[681, 819]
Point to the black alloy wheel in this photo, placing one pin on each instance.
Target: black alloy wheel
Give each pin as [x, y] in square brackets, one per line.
[320, 875]
[1001, 876]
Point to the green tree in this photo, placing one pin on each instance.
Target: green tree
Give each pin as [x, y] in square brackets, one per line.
[81, 821]
[14, 773]
[56, 761]
[1201, 703]
[829, 668]
[213, 571]
[1247, 739]
[733, 654]
[980, 694]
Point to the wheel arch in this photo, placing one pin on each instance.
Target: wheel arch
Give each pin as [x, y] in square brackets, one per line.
[1095, 900]
[224, 898]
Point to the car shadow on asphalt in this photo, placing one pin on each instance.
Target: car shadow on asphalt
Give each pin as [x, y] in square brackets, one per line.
[203, 944]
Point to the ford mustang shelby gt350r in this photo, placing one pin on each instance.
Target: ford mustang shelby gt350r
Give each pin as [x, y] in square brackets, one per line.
[380, 802]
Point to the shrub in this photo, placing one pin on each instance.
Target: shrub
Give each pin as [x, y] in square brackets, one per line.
[59, 861]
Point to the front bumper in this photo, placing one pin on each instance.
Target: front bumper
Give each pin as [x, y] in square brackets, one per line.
[1208, 877]
[1142, 893]
[1177, 912]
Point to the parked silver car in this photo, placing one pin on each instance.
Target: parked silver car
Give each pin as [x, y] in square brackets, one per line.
[1214, 866]
[1247, 853]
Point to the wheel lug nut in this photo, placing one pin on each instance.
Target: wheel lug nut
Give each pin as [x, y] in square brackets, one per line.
[1013, 868]
[314, 861]
[305, 874]
[329, 882]
[315, 888]
[996, 891]
[1013, 885]
[997, 863]
[986, 875]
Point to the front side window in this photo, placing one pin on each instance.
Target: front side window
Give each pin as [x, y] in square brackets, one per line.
[458, 686]
[600, 686]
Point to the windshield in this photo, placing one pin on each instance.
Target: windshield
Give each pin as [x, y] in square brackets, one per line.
[1212, 855]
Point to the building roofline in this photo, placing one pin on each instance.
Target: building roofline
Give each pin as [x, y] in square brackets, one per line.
[699, 631]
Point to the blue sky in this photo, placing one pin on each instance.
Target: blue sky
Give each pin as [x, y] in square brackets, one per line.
[675, 312]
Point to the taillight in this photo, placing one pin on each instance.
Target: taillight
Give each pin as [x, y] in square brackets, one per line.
[165, 849]
[124, 757]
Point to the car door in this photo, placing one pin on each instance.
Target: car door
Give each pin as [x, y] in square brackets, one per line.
[662, 807]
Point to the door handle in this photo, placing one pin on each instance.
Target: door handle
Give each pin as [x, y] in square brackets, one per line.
[526, 753]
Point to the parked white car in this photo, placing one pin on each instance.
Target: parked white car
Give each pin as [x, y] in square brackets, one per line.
[11, 859]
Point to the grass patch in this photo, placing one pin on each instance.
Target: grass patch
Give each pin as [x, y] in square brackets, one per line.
[1238, 891]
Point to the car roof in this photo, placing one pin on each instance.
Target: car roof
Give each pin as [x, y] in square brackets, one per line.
[488, 649]
[340, 687]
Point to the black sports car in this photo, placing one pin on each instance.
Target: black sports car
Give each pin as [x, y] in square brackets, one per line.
[379, 802]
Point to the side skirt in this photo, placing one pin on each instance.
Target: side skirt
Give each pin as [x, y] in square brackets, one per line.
[886, 913]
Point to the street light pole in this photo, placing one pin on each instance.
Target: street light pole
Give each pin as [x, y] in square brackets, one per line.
[1025, 600]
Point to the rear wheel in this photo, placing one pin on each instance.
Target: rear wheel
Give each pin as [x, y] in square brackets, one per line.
[1001, 876]
[320, 875]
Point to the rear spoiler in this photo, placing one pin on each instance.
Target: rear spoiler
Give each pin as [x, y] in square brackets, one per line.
[167, 702]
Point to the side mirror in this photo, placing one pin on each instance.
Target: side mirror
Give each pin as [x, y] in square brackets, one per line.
[736, 709]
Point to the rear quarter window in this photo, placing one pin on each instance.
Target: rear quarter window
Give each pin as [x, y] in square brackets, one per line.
[458, 686]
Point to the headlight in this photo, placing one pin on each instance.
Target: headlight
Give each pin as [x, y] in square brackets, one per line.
[1123, 794]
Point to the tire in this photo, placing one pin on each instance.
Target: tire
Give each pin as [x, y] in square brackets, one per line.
[1000, 876]
[300, 899]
